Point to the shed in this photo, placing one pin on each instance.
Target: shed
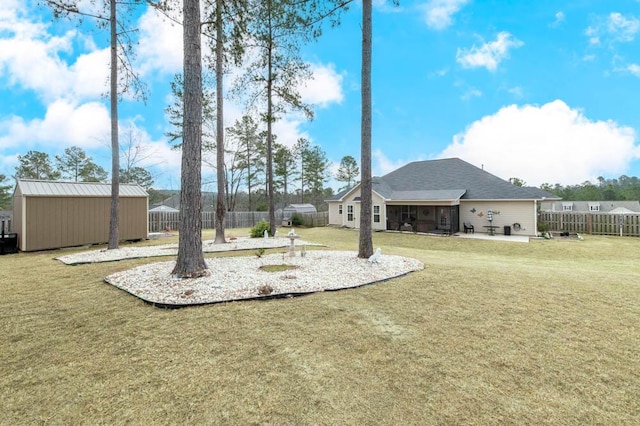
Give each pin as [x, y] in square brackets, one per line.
[49, 215]
[298, 208]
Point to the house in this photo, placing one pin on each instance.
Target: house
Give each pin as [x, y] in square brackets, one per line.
[440, 196]
[591, 206]
[49, 215]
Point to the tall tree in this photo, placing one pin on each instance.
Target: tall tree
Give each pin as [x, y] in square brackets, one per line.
[348, 171]
[365, 243]
[284, 171]
[190, 262]
[137, 175]
[245, 134]
[36, 165]
[517, 181]
[5, 192]
[75, 165]
[301, 149]
[279, 27]
[315, 164]
[120, 42]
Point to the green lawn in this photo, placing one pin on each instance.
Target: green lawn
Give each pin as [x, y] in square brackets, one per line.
[488, 333]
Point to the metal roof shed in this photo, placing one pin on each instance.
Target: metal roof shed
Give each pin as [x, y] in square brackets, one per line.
[299, 208]
[49, 215]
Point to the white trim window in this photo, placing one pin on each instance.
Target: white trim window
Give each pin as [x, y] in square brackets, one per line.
[594, 207]
[567, 207]
[349, 212]
[340, 209]
[376, 214]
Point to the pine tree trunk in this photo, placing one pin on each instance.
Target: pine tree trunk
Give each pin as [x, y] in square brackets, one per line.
[365, 248]
[270, 77]
[190, 262]
[221, 209]
[114, 236]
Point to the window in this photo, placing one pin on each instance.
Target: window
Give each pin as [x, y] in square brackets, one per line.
[594, 207]
[339, 208]
[376, 214]
[567, 207]
[350, 213]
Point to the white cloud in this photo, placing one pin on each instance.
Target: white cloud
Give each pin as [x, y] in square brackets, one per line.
[559, 19]
[64, 124]
[615, 27]
[623, 28]
[471, 93]
[439, 13]
[160, 44]
[634, 69]
[31, 58]
[516, 92]
[381, 164]
[552, 143]
[324, 87]
[490, 54]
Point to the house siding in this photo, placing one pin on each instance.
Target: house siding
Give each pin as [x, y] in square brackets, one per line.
[349, 199]
[522, 212]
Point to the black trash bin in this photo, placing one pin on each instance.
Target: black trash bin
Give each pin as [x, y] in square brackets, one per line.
[507, 230]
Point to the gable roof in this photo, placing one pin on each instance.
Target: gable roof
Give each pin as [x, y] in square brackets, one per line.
[45, 188]
[448, 179]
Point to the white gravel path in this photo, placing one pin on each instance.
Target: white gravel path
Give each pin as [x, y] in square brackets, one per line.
[208, 246]
[238, 278]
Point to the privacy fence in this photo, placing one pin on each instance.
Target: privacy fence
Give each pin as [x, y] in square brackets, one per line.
[161, 221]
[593, 223]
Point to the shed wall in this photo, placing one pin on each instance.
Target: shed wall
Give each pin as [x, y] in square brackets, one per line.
[54, 222]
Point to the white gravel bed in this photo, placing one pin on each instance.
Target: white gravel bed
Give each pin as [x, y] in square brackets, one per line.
[208, 246]
[238, 278]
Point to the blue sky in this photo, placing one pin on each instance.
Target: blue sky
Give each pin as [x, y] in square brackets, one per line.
[545, 91]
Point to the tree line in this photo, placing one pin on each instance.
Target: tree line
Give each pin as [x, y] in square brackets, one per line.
[624, 188]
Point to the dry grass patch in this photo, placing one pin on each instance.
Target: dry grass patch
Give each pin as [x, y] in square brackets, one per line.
[488, 333]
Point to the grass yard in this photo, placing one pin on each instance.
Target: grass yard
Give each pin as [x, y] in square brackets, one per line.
[488, 333]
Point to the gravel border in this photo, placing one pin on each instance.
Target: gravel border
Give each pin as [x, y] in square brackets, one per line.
[208, 246]
[240, 278]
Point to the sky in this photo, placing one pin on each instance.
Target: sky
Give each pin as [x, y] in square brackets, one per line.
[545, 91]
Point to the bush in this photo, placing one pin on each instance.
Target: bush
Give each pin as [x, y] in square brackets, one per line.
[543, 226]
[296, 220]
[258, 230]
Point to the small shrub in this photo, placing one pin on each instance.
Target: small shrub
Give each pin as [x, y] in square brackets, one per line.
[296, 220]
[260, 252]
[543, 227]
[258, 230]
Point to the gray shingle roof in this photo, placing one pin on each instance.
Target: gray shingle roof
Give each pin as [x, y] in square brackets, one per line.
[449, 179]
[30, 187]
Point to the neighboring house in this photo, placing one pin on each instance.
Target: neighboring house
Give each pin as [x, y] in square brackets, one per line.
[591, 206]
[440, 196]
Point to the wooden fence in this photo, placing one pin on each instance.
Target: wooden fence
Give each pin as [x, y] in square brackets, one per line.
[593, 223]
[160, 221]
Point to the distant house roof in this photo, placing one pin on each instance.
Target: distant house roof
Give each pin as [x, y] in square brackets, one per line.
[447, 179]
[207, 201]
[162, 208]
[43, 188]
[586, 206]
